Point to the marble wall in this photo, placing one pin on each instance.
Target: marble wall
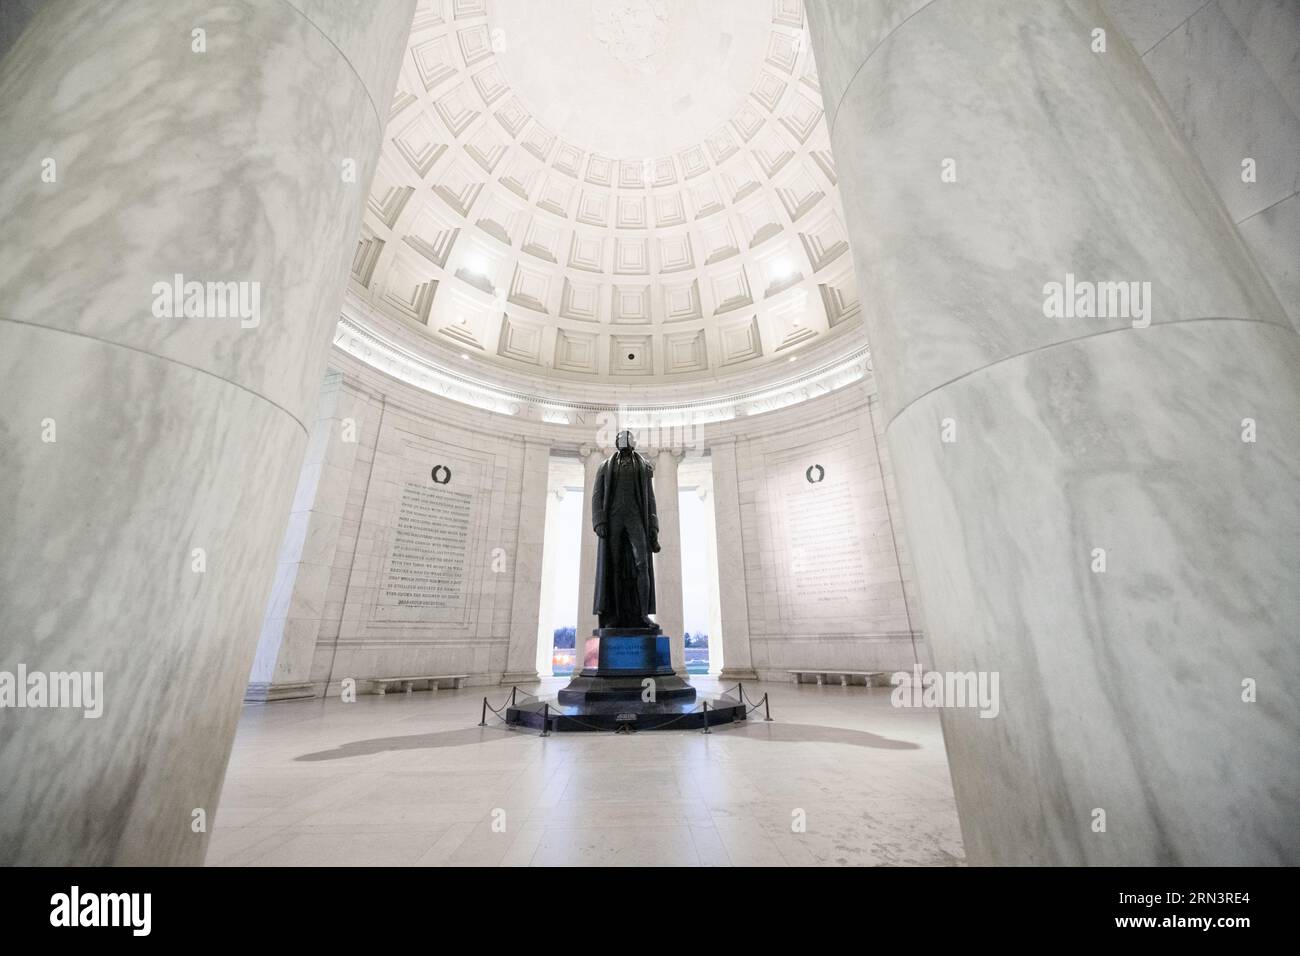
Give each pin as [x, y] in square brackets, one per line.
[373, 625]
[826, 584]
[784, 601]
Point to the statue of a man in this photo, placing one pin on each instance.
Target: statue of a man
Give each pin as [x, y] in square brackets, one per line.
[624, 517]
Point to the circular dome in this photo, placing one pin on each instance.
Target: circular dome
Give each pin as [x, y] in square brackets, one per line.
[630, 77]
[609, 191]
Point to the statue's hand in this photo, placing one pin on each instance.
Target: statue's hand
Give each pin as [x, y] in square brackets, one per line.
[601, 530]
[654, 545]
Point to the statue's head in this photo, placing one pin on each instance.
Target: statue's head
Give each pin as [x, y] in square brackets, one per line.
[625, 441]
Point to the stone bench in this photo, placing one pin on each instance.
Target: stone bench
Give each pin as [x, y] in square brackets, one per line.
[822, 673]
[380, 684]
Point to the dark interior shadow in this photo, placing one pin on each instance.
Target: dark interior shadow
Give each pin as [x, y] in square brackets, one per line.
[747, 730]
[435, 741]
[812, 734]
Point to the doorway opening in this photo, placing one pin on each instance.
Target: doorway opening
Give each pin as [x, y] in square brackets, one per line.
[557, 620]
[701, 611]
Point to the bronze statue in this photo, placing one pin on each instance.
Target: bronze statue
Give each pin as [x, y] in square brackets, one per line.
[624, 678]
[625, 519]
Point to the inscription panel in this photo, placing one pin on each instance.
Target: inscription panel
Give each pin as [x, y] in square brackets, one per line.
[430, 545]
[817, 536]
[826, 567]
[427, 561]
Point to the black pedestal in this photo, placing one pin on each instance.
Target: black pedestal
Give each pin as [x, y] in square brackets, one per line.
[608, 693]
[625, 715]
[617, 663]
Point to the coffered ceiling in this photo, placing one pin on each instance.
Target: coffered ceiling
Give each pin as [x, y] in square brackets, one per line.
[609, 190]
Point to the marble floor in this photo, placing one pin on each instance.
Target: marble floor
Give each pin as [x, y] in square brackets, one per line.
[413, 780]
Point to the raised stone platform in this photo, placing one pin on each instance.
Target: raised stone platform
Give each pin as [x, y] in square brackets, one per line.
[625, 715]
[627, 682]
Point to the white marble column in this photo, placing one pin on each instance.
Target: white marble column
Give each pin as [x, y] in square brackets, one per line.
[526, 566]
[716, 656]
[555, 493]
[587, 621]
[733, 598]
[984, 151]
[151, 447]
[668, 562]
[287, 646]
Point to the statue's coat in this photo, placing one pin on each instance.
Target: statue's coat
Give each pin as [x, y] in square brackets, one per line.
[600, 494]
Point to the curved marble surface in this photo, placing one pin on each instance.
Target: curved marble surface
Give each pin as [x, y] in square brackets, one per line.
[870, 24]
[371, 37]
[403, 359]
[172, 162]
[1051, 179]
[172, 433]
[1120, 690]
[98, 577]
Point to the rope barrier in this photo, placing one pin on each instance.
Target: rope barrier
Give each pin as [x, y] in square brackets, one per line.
[767, 714]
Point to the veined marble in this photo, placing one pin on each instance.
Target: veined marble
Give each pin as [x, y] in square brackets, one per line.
[139, 141]
[1083, 169]
[1122, 689]
[1230, 72]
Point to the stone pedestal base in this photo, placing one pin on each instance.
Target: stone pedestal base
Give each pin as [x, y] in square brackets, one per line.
[618, 662]
[610, 692]
[710, 711]
[730, 674]
[261, 692]
[519, 677]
